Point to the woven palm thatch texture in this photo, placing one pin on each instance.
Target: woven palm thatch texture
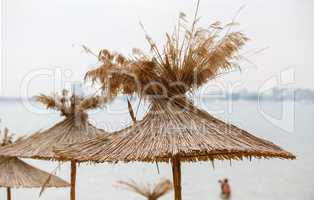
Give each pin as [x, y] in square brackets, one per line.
[73, 128]
[149, 192]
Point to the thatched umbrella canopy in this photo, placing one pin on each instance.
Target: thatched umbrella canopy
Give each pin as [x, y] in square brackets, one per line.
[188, 135]
[176, 136]
[74, 128]
[15, 173]
[149, 192]
[173, 129]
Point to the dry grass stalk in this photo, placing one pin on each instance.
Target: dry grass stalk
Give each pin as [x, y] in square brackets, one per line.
[188, 60]
[70, 105]
[151, 193]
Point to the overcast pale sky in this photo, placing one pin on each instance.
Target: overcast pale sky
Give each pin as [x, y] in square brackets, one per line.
[39, 38]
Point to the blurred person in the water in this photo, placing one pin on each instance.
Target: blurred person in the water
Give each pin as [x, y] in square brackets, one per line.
[225, 189]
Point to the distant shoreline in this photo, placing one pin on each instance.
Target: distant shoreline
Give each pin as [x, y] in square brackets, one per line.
[227, 98]
[275, 94]
[14, 99]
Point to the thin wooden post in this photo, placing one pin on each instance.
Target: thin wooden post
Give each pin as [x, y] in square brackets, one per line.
[8, 193]
[73, 179]
[176, 173]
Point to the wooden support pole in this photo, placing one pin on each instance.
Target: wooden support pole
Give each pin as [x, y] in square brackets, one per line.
[176, 173]
[73, 179]
[8, 193]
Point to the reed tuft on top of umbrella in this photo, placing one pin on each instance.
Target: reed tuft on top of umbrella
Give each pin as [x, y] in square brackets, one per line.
[183, 64]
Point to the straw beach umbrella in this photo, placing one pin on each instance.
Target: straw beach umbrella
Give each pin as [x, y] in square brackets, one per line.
[74, 128]
[151, 193]
[14, 173]
[174, 130]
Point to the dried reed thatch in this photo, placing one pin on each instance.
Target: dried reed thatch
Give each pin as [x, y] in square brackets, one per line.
[173, 129]
[192, 135]
[184, 64]
[151, 193]
[14, 173]
[73, 128]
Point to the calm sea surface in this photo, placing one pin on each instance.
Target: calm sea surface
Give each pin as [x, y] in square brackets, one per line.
[288, 125]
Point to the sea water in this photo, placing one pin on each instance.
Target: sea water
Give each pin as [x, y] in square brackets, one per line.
[286, 124]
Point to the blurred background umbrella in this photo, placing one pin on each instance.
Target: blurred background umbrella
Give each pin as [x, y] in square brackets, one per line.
[15, 173]
[74, 128]
[146, 190]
